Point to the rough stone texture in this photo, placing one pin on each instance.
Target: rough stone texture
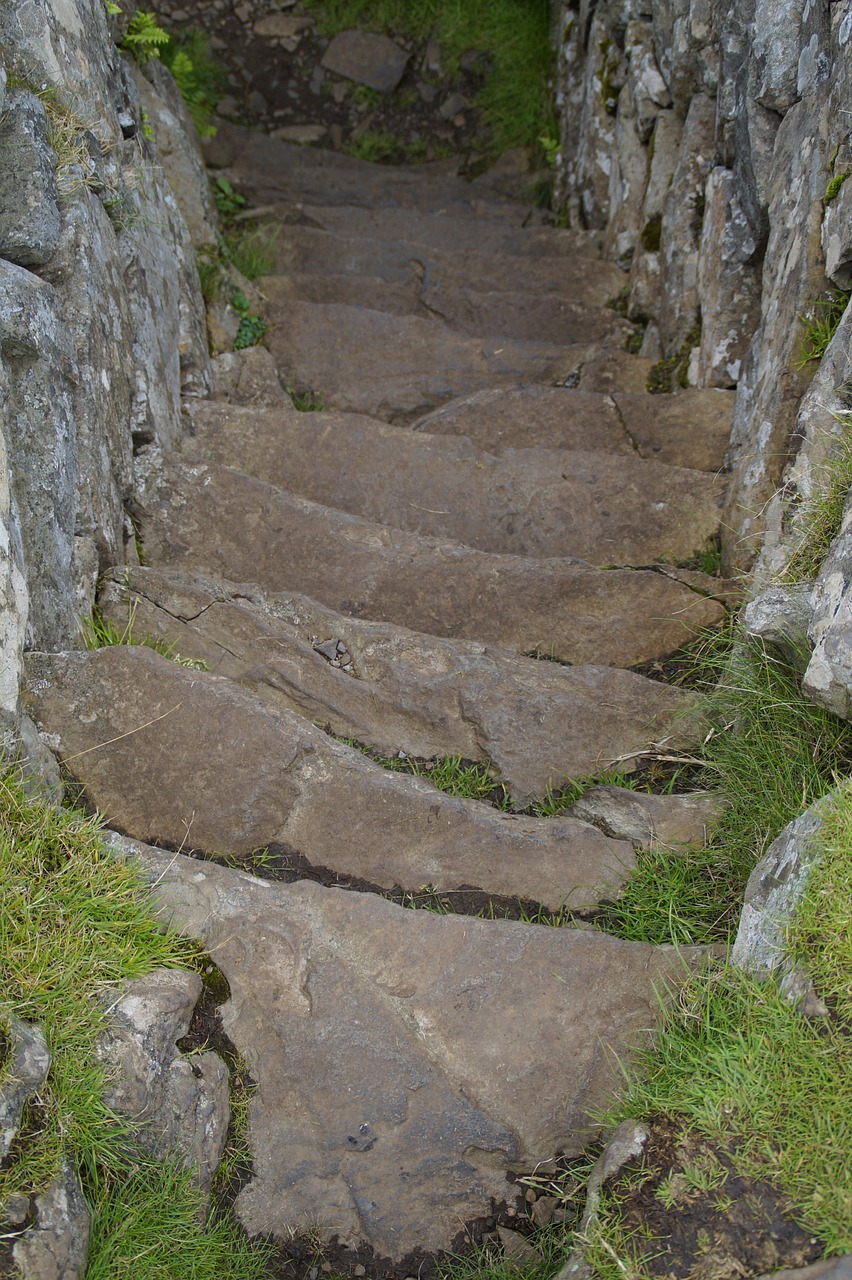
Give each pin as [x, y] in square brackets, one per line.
[774, 890]
[385, 1040]
[626, 182]
[681, 225]
[185, 758]
[499, 418]
[649, 821]
[780, 617]
[205, 518]
[771, 388]
[828, 678]
[176, 1105]
[183, 164]
[366, 58]
[247, 377]
[649, 91]
[385, 366]
[828, 1269]
[56, 1246]
[538, 723]
[728, 283]
[24, 1072]
[29, 197]
[597, 506]
[688, 429]
[546, 317]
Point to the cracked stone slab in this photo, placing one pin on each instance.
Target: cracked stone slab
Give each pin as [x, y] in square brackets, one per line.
[403, 1064]
[539, 723]
[600, 507]
[651, 821]
[530, 417]
[207, 518]
[186, 759]
[383, 365]
[689, 429]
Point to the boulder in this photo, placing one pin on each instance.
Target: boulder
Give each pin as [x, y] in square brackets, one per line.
[366, 58]
[30, 221]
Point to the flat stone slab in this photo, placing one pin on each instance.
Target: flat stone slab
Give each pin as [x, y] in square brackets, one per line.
[549, 317]
[448, 255]
[398, 297]
[396, 366]
[538, 722]
[529, 417]
[186, 759]
[366, 58]
[689, 429]
[405, 1062]
[600, 507]
[208, 518]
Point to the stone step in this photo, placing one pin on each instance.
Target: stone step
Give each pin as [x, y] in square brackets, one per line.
[208, 518]
[406, 1062]
[268, 169]
[690, 429]
[186, 759]
[539, 723]
[449, 232]
[580, 278]
[603, 508]
[398, 366]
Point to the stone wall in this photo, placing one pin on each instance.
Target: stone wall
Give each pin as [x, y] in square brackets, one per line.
[101, 318]
[701, 138]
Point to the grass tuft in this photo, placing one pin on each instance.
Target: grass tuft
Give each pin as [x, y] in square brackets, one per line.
[821, 514]
[819, 325]
[100, 633]
[514, 36]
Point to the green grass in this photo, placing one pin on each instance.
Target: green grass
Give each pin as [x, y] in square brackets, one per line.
[373, 146]
[819, 324]
[74, 925]
[100, 633]
[252, 250]
[514, 34]
[820, 515]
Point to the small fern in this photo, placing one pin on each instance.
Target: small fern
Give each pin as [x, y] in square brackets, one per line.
[200, 78]
[145, 37]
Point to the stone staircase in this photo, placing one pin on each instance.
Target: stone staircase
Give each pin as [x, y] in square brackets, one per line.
[487, 486]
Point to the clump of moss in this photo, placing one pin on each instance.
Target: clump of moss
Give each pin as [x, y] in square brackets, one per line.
[651, 234]
[673, 372]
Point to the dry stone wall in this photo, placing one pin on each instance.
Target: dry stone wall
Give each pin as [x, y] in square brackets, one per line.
[101, 317]
[701, 139]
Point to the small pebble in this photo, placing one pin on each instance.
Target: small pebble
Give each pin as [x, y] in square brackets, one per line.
[359, 1270]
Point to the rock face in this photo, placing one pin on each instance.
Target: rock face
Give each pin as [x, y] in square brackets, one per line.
[400, 1055]
[730, 125]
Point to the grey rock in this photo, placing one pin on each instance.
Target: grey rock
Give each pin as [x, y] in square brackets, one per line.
[216, 767]
[283, 26]
[177, 1105]
[178, 150]
[247, 377]
[628, 177]
[56, 1246]
[648, 90]
[681, 225]
[771, 387]
[538, 723]
[625, 1144]
[728, 283]
[366, 58]
[780, 617]
[776, 45]
[410, 1046]
[600, 507]
[828, 678]
[201, 517]
[774, 890]
[41, 779]
[24, 1073]
[29, 197]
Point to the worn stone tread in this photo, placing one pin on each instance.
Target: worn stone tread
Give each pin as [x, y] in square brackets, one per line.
[539, 723]
[397, 366]
[405, 1058]
[209, 518]
[187, 759]
[600, 507]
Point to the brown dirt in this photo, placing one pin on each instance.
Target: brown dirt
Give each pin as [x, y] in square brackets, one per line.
[692, 1216]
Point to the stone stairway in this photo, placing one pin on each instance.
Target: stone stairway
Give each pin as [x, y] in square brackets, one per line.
[488, 486]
